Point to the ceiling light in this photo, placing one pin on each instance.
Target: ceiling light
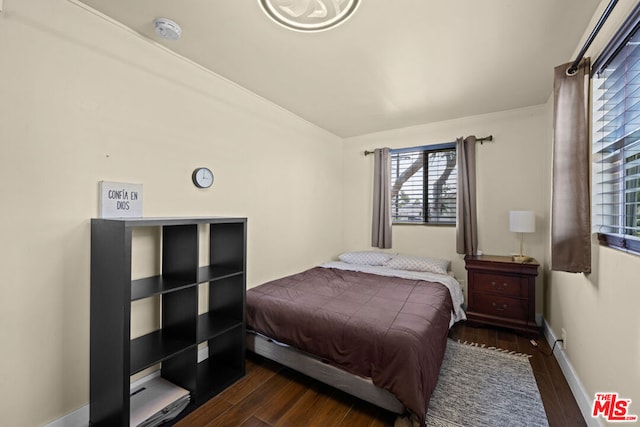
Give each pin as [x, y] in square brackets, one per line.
[167, 29]
[309, 15]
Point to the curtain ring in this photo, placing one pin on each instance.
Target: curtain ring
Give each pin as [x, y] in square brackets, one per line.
[570, 72]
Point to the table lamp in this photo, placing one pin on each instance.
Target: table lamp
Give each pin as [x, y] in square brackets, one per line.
[522, 222]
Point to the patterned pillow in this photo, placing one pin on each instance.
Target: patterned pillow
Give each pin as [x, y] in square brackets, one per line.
[419, 263]
[365, 257]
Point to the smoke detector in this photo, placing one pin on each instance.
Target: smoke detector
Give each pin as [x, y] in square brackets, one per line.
[167, 29]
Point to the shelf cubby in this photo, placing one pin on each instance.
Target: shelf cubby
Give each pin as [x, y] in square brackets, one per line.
[155, 347]
[157, 285]
[211, 325]
[223, 366]
[211, 273]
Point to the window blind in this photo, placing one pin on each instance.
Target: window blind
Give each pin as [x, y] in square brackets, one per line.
[423, 184]
[616, 146]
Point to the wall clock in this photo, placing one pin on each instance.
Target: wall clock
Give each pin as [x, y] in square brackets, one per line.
[202, 177]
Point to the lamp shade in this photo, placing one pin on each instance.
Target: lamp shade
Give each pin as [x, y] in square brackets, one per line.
[522, 221]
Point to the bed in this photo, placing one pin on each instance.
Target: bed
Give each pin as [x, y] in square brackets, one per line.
[369, 327]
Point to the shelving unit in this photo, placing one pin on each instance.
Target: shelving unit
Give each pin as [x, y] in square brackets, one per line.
[115, 356]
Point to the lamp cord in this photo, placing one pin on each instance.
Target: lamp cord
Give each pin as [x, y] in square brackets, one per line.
[535, 344]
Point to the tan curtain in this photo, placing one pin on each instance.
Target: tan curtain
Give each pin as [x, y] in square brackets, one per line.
[381, 230]
[466, 221]
[571, 199]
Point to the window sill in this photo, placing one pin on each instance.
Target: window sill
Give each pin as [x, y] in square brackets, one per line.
[620, 242]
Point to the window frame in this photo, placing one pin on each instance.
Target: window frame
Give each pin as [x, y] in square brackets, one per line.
[618, 42]
[446, 146]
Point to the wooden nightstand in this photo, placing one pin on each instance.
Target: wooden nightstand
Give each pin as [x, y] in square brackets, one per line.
[502, 292]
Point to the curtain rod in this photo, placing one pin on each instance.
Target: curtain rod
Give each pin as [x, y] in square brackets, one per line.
[574, 67]
[480, 140]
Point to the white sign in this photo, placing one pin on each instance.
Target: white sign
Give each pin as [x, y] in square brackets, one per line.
[119, 199]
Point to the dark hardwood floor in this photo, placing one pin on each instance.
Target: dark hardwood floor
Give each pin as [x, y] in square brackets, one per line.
[272, 395]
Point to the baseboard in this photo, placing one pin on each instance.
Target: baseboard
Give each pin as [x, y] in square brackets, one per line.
[80, 417]
[583, 399]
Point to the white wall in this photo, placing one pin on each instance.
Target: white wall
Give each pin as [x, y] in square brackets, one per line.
[512, 174]
[84, 100]
[599, 311]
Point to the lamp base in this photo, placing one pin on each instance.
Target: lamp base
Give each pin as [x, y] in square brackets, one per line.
[521, 258]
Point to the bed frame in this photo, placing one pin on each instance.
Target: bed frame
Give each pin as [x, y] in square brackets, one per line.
[322, 371]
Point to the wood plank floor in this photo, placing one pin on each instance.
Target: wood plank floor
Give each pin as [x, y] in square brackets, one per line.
[272, 395]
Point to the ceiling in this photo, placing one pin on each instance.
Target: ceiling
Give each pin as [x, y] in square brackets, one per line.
[392, 64]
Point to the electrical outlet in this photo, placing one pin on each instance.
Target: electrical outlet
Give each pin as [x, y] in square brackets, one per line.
[564, 338]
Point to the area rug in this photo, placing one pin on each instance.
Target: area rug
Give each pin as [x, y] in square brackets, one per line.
[481, 386]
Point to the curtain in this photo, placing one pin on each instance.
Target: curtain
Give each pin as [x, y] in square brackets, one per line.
[381, 229]
[466, 221]
[571, 196]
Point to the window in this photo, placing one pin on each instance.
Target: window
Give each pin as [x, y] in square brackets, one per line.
[616, 140]
[423, 184]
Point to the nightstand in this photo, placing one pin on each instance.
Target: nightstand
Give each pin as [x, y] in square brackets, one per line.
[502, 292]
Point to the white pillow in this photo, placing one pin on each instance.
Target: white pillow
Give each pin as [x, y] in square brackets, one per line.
[419, 263]
[365, 257]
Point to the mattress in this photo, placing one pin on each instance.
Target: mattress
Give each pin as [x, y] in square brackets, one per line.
[392, 330]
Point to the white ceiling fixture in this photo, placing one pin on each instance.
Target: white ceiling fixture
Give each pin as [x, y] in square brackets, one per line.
[309, 15]
[167, 29]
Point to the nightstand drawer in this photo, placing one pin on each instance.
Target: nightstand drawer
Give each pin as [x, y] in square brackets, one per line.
[499, 284]
[513, 308]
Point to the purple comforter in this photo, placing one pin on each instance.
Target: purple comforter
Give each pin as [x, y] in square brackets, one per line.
[389, 329]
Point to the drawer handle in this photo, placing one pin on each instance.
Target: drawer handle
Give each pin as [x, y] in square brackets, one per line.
[504, 285]
[498, 308]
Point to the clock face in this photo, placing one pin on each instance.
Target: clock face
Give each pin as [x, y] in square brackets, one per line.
[202, 177]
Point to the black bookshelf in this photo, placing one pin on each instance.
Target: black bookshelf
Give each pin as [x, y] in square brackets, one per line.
[115, 356]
